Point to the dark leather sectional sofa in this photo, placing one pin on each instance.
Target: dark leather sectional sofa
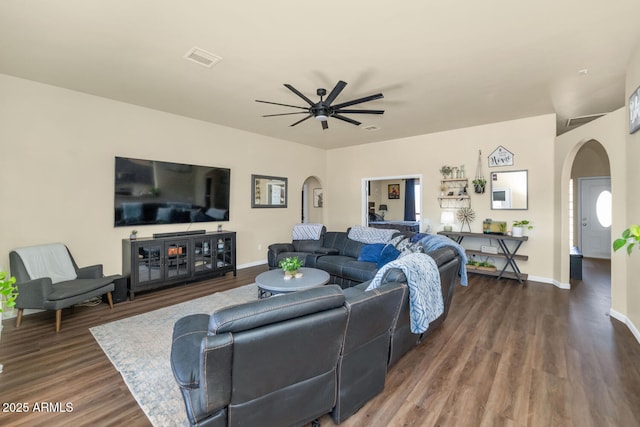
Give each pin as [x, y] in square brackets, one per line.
[334, 253]
[290, 359]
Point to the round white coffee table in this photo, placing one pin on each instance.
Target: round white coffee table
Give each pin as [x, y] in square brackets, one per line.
[272, 282]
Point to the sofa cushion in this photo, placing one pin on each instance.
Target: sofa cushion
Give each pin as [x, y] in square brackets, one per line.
[388, 254]
[371, 253]
[360, 271]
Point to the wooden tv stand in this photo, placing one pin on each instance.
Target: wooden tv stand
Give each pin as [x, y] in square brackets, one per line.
[152, 263]
[509, 253]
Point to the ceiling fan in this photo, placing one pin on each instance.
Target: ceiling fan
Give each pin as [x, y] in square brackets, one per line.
[323, 109]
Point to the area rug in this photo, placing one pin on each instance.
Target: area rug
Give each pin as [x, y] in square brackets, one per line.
[139, 348]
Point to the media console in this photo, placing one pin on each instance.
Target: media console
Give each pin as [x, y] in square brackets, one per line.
[152, 263]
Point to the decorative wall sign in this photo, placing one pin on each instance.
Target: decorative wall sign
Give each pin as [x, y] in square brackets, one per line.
[634, 111]
[500, 157]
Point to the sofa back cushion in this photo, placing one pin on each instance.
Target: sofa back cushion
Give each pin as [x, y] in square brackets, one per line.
[339, 240]
[263, 312]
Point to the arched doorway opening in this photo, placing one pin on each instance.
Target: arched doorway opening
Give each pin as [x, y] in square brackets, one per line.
[590, 208]
[312, 201]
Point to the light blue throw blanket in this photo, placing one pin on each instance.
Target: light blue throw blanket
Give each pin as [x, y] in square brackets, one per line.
[425, 292]
[431, 242]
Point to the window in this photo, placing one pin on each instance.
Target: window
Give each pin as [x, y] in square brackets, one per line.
[603, 209]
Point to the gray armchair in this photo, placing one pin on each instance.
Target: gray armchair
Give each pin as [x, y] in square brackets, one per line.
[48, 278]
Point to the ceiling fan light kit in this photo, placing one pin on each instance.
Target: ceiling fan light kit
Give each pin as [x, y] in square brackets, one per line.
[323, 109]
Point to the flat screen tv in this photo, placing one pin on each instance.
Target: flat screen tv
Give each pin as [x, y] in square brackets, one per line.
[154, 192]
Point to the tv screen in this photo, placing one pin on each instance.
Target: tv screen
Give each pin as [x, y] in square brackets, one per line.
[154, 192]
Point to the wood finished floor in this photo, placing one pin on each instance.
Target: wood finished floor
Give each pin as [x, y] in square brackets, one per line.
[507, 355]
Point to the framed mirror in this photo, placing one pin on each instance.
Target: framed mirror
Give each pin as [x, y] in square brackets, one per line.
[509, 190]
[268, 191]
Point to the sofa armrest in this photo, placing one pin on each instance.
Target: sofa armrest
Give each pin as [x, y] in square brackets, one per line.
[90, 272]
[215, 371]
[276, 248]
[33, 293]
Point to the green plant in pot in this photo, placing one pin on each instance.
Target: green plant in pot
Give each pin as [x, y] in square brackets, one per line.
[8, 294]
[519, 227]
[630, 238]
[291, 265]
[445, 171]
[479, 185]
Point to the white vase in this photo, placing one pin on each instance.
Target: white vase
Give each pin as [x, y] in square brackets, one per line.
[517, 231]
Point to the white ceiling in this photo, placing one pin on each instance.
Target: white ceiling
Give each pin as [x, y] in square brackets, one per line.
[440, 65]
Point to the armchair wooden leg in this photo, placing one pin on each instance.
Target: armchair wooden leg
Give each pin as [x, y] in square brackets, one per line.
[110, 299]
[58, 319]
[19, 317]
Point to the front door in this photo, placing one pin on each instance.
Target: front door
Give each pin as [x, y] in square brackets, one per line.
[595, 217]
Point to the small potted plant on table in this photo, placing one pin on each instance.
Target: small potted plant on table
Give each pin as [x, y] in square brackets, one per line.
[519, 226]
[291, 265]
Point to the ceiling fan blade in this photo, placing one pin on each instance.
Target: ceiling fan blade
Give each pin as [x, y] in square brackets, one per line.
[283, 105]
[285, 114]
[300, 121]
[325, 125]
[359, 111]
[335, 92]
[297, 92]
[346, 119]
[358, 101]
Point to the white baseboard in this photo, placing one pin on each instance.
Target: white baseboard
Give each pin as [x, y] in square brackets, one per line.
[549, 281]
[624, 319]
[252, 264]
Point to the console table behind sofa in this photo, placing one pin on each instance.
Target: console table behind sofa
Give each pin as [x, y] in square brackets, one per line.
[509, 253]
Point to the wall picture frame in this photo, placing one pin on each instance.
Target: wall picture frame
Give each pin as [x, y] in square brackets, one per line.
[393, 191]
[634, 111]
[317, 197]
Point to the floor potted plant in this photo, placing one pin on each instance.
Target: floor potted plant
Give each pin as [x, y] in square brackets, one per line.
[519, 226]
[291, 265]
[8, 294]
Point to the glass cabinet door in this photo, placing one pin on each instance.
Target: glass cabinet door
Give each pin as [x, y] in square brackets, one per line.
[177, 259]
[224, 252]
[149, 263]
[203, 255]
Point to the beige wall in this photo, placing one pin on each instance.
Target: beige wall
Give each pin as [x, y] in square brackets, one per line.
[380, 196]
[57, 166]
[531, 140]
[632, 200]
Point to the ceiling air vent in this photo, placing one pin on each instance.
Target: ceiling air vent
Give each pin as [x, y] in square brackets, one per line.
[578, 121]
[202, 57]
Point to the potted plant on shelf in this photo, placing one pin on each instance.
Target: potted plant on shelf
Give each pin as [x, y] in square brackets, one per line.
[8, 294]
[630, 237]
[519, 226]
[445, 171]
[291, 265]
[133, 235]
[479, 184]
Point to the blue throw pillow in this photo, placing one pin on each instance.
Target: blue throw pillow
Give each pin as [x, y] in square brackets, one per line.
[371, 253]
[388, 254]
